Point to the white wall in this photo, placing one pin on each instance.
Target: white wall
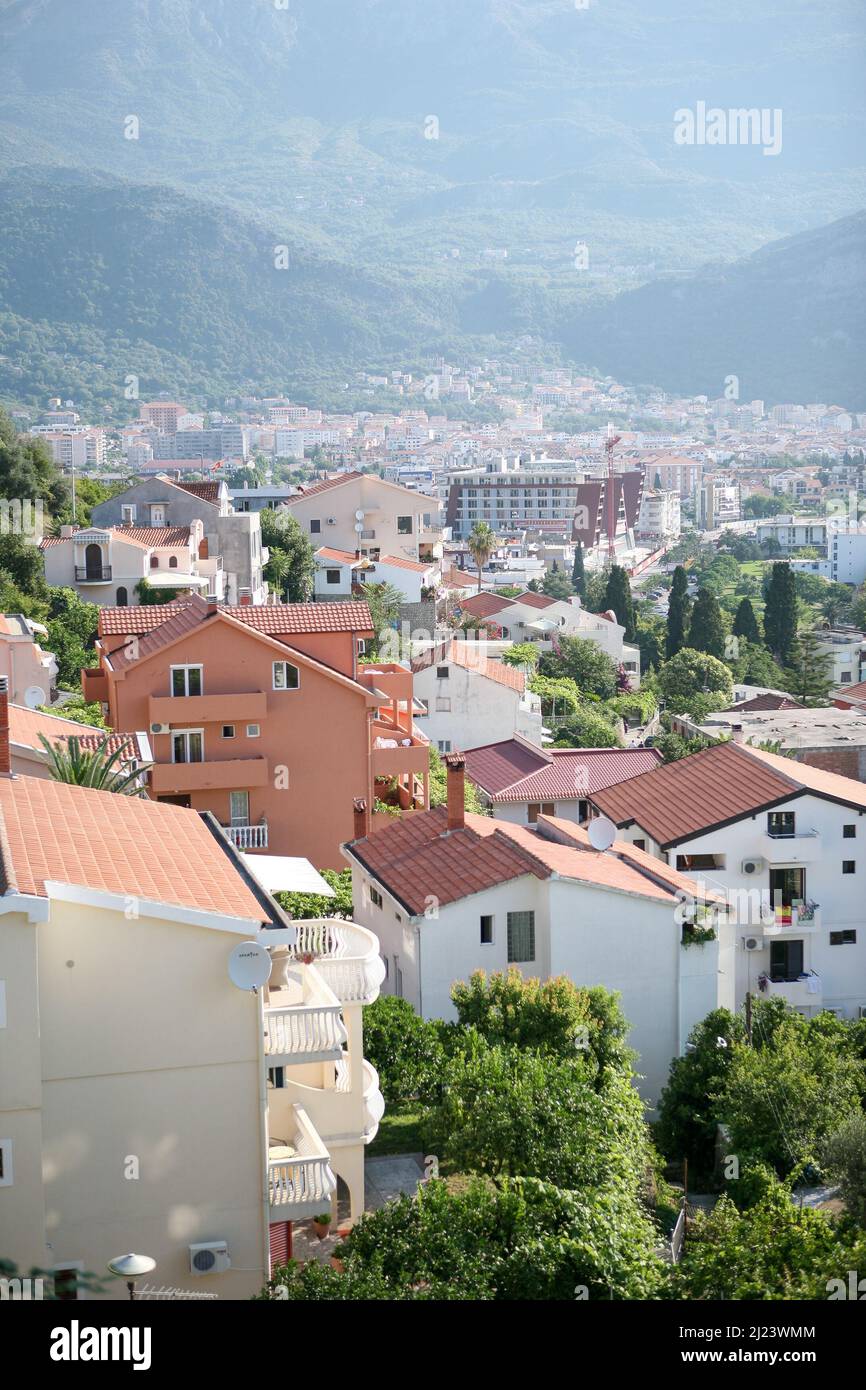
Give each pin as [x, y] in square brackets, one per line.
[482, 710]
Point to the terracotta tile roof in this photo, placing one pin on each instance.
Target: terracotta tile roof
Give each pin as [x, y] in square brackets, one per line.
[276, 619]
[559, 774]
[146, 536]
[417, 859]
[207, 492]
[484, 605]
[118, 844]
[850, 692]
[419, 566]
[758, 702]
[325, 486]
[342, 557]
[535, 600]
[630, 854]
[718, 785]
[25, 726]
[467, 656]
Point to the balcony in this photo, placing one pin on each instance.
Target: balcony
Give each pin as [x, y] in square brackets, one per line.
[346, 957]
[247, 836]
[188, 710]
[303, 1020]
[374, 1102]
[94, 685]
[229, 774]
[796, 993]
[92, 574]
[300, 1180]
[802, 848]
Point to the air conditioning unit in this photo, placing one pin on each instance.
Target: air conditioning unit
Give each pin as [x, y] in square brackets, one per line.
[160, 728]
[332, 521]
[211, 1257]
[753, 866]
[754, 943]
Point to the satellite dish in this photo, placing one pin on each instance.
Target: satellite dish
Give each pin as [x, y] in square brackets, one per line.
[249, 965]
[34, 696]
[359, 516]
[602, 833]
[359, 526]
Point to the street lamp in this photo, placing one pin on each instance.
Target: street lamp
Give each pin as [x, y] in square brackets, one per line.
[130, 1268]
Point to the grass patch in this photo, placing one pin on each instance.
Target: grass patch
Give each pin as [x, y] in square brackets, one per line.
[400, 1132]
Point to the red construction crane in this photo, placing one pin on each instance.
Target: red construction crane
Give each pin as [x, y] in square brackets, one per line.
[609, 445]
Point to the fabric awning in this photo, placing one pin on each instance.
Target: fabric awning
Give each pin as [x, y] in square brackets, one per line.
[279, 873]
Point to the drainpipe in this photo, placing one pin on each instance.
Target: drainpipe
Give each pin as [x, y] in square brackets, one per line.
[263, 1137]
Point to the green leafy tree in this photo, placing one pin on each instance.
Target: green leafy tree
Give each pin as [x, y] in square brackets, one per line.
[618, 598]
[844, 1158]
[557, 586]
[578, 571]
[291, 567]
[438, 783]
[588, 728]
[745, 622]
[72, 628]
[687, 1121]
[481, 543]
[77, 708]
[384, 602]
[706, 630]
[679, 608]
[521, 654]
[691, 674]
[27, 470]
[307, 905]
[404, 1048]
[780, 612]
[584, 662]
[91, 767]
[558, 696]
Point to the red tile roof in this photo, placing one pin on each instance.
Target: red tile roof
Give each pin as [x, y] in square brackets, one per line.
[759, 702]
[484, 605]
[468, 656]
[533, 600]
[714, 787]
[25, 726]
[417, 859]
[419, 566]
[149, 537]
[326, 486]
[276, 619]
[559, 774]
[118, 844]
[207, 492]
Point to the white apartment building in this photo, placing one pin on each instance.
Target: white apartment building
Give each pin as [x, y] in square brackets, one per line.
[531, 617]
[105, 564]
[781, 839]
[660, 515]
[338, 571]
[467, 698]
[793, 532]
[448, 893]
[152, 1100]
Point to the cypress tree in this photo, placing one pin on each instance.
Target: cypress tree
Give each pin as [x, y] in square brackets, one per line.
[746, 624]
[618, 598]
[809, 675]
[578, 573]
[706, 630]
[678, 613]
[780, 613]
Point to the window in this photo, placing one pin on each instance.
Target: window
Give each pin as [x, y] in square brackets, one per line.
[425, 708]
[843, 938]
[228, 731]
[443, 704]
[187, 680]
[404, 525]
[533, 811]
[849, 832]
[122, 597]
[849, 866]
[444, 745]
[376, 897]
[254, 730]
[239, 808]
[548, 808]
[286, 676]
[154, 562]
[187, 746]
[846, 677]
[387, 964]
[486, 931]
[172, 562]
[442, 673]
[687, 862]
[786, 960]
[521, 936]
[333, 576]
[127, 515]
[277, 1077]
[780, 824]
[639, 844]
[5, 1162]
[315, 528]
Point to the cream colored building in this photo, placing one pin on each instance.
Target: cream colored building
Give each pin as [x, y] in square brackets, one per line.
[360, 512]
[146, 1102]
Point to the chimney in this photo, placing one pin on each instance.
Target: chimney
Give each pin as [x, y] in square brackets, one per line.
[456, 765]
[5, 759]
[245, 598]
[362, 821]
[737, 735]
[212, 609]
[66, 532]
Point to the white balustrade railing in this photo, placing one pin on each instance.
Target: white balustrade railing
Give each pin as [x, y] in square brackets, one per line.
[346, 956]
[374, 1102]
[306, 1178]
[300, 1029]
[247, 836]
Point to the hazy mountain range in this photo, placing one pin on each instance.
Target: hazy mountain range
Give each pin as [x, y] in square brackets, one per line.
[380, 137]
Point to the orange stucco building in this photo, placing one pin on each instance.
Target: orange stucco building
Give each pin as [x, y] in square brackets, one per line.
[266, 716]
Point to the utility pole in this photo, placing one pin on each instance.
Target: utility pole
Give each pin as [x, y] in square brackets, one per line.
[749, 1017]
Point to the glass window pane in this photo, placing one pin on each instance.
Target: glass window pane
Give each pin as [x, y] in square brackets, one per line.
[194, 680]
[178, 684]
[521, 936]
[195, 748]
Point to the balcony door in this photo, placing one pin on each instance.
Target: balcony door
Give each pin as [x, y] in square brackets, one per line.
[239, 808]
[786, 960]
[93, 561]
[787, 886]
[187, 746]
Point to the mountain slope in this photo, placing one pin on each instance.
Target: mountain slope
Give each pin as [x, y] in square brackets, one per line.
[789, 322]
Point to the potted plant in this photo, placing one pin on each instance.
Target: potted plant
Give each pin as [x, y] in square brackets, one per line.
[322, 1224]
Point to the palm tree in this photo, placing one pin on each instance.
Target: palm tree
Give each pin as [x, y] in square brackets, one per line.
[91, 767]
[482, 542]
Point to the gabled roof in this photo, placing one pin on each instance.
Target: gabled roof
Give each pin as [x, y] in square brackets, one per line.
[276, 619]
[505, 771]
[340, 557]
[206, 492]
[148, 537]
[327, 486]
[762, 702]
[467, 656]
[25, 726]
[418, 859]
[402, 563]
[484, 605]
[533, 600]
[714, 787]
[50, 831]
